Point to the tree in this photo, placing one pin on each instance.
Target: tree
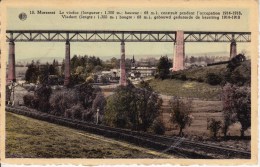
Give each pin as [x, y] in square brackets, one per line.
[43, 93]
[134, 108]
[85, 94]
[99, 103]
[237, 101]
[192, 59]
[32, 73]
[242, 106]
[163, 67]
[181, 113]
[145, 85]
[228, 109]
[214, 127]
[62, 100]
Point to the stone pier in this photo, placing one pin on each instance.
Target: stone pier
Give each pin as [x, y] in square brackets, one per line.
[233, 49]
[178, 58]
[67, 64]
[11, 63]
[122, 65]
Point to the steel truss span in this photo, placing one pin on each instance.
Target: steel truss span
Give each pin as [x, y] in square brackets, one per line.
[123, 36]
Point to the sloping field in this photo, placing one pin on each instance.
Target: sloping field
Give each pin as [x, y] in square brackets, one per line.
[191, 89]
[30, 138]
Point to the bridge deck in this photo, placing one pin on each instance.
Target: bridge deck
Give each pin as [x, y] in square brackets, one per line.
[122, 36]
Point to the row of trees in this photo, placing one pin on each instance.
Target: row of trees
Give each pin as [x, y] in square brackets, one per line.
[138, 108]
[80, 102]
[39, 73]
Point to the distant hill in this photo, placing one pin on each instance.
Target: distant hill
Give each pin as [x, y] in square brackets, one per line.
[22, 60]
[41, 59]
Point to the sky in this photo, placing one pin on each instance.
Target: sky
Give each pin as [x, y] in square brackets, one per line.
[108, 50]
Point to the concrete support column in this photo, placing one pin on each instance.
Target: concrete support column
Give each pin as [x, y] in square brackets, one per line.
[233, 49]
[67, 64]
[11, 63]
[178, 58]
[122, 65]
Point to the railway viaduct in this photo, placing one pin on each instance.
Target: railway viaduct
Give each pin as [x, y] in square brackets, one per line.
[178, 38]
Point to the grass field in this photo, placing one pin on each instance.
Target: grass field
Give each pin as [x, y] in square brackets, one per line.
[190, 89]
[30, 138]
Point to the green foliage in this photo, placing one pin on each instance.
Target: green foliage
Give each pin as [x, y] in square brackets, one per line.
[213, 79]
[240, 75]
[37, 72]
[31, 101]
[236, 61]
[145, 85]
[76, 79]
[158, 127]
[214, 127]
[131, 107]
[32, 73]
[40, 99]
[99, 103]
[85, 94]
[181, 110]
[237, 106]
[228, 109]
[242, 106]
[238, 72]
[86, 64]
[62, 100]
[75, 112]
[163, 67]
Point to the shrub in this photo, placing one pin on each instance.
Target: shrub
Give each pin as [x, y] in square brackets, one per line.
[31, 101]
[158, 127]
[183, 77]
[85, 94]
[43, 93]
[200, 79]
[213, 79]
[75, 112]
[214, 127]
[87, 115]
[62, 100]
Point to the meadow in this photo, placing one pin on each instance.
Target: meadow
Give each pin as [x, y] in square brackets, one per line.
[30, 138]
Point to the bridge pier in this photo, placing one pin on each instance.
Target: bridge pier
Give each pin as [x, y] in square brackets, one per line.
[178, 58]
[233, 49]
[122, 66]
[67, 64]
[11, 63]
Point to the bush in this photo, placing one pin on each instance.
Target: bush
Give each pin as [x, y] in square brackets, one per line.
[213, 79]
[200, 79]
[75, 112]
[158, 127]
[31, 101]
[214, 127]
[87, 115]
[183, 77]
[60, 101]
